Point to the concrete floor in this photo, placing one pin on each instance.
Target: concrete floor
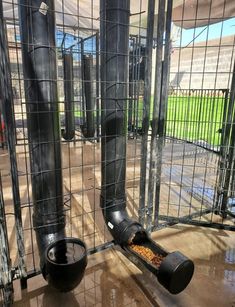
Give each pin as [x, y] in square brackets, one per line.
[111, 280]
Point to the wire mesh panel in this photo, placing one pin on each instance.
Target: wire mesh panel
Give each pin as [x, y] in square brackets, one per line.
[5, 261]
[177, 117]
[71, 90]
[189, 180]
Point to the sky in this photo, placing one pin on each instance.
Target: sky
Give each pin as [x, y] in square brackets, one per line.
[224, 28]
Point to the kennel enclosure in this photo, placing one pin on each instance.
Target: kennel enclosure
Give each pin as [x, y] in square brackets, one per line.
[179, 154]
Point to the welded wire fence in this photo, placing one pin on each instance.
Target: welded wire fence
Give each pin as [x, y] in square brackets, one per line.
[77, 38]
[179, 125]
[192, 166]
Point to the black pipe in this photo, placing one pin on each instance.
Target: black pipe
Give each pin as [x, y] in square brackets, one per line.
[132, 66]
[37, 25]
[175, 270]
[88, 128]
[97, 42]
[114, 62]
[69, 131]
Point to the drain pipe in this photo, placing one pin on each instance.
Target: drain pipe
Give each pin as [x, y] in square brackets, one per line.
[37, 23]
[176, 270]
[69, 131]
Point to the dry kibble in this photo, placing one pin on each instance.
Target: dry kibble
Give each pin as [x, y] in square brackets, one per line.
[147, 253]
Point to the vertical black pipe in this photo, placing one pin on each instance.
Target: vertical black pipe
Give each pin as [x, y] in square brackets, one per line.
[176, 270]
[114, 32]
[146, 108]
[97, 45]
[89, 125]
[114, 100]
[8, 117]
[40, 74]
[82, 86]
[69, 132]
[131, 84]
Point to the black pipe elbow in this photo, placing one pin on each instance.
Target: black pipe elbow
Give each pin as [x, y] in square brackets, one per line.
[175, 271]
[120, 225]
[67, 135]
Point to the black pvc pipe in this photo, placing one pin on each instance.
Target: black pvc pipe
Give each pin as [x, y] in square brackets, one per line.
[40, 73]
[88, 128]
[114, 34]
[69, 131]
[97, 41]
[176, 270]
[132, 66]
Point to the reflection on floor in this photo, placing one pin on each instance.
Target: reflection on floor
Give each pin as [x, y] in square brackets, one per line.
[107, 283]
[111, 280]
[213, 252]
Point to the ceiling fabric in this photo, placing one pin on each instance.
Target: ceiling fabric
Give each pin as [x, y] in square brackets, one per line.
[186, 13]
[197, 13]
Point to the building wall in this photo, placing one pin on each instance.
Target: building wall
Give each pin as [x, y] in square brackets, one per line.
[203, 66]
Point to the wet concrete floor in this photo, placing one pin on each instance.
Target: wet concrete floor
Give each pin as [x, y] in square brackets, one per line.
[111, 280]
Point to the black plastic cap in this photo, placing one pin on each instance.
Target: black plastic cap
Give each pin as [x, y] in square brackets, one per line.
[65, 265]
[175, 272]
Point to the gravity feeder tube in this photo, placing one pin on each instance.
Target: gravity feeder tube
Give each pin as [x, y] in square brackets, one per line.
[173, 270]
[62, 260]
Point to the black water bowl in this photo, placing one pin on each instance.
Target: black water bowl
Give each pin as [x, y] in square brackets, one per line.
[66, 260]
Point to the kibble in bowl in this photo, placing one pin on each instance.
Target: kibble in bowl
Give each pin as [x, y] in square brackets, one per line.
[147, 253]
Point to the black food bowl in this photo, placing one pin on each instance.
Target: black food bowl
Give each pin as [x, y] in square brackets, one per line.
[66, 260]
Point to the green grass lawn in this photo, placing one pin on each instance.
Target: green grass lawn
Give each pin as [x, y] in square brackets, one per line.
[190, 117]
[195, 118]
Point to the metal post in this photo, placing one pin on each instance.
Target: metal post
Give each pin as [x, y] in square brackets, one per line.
[5, 261]
[163, 108]
[8, 116]
[227, 148]
[230, 163]
[146, 110]
[154, 154]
